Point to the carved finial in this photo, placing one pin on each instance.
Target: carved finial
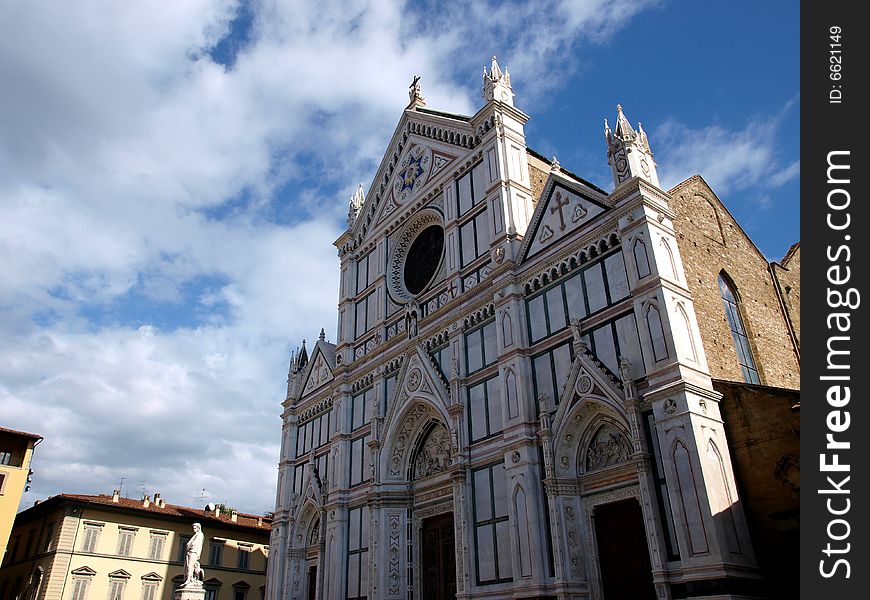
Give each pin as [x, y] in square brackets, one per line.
[495, 71]
[608, 135]
[628, 151]
[415, 92]
[555, 167]
[497, 84]
[357, 199]
[322, 335]
[303, 356]
[623, 130]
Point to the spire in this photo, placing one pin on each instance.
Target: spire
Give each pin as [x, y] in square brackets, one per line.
[303, 356]
[497, 84]
[495, 72]
[628, 151]
[623, 127]
[357, 199]
[322, 335]
[291, 375]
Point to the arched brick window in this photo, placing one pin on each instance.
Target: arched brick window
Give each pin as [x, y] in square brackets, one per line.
[738, 331]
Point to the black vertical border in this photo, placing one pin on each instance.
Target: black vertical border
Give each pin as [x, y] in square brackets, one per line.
[825, 127]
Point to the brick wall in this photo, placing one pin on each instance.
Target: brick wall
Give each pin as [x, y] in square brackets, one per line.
[710, 241]
[788, 273]
[763, 429]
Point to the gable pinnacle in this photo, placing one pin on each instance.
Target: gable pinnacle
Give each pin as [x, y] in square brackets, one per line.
[322, 334]
[415, 93]
[495, 71]
[497, 84]
[628, 151]
[303, 356]
[357, 199]
[623, 127]
[555, 167]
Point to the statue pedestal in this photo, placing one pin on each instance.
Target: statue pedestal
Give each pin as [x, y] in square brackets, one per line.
[190, 593]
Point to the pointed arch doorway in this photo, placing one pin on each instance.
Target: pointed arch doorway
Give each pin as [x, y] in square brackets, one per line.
[438, 558]
[623, 555]
[432, 510]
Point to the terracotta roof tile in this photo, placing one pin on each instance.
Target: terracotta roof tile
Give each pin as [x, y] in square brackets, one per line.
[21, 433]
[243, 519]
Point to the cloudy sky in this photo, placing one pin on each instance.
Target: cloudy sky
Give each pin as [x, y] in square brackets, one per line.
[173, 174]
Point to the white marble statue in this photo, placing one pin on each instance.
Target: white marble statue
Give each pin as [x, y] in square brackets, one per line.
[193, 573]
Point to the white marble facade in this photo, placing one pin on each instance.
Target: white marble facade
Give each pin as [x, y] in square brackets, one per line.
[527, 368]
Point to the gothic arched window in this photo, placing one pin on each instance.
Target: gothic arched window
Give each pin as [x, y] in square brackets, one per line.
[738, 332]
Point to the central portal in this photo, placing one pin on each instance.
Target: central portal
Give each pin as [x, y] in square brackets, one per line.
[622, 551]
[438, 559]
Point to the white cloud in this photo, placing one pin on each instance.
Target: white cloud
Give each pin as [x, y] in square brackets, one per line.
[132, 166]
[730, 160]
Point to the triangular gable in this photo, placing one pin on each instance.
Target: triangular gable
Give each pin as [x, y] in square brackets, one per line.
[419, 379]
[152, 576]
[564, 208]
[588, 377]
[84, 572]
[432, 131]
[319, 372]
[120, 574]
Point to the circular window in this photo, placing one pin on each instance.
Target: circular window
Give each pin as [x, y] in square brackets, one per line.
[417, 254]
[423, 258]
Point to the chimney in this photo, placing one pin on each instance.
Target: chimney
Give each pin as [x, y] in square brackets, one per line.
[158, 500]
[146, 502]
[116, 496]
[217, 511]
[259, 521]
[234, 517]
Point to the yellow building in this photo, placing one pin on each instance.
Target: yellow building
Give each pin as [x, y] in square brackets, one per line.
[16, 450]
[77, 547]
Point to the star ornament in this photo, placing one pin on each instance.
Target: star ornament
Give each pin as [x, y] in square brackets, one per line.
[410, 173]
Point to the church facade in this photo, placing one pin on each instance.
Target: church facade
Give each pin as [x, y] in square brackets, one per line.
[519, 403]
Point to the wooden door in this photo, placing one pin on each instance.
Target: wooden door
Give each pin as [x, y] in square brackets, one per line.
[312, 583]
[438, 559]
[623, 555]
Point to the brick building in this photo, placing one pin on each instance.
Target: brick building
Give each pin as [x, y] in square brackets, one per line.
[522, 400]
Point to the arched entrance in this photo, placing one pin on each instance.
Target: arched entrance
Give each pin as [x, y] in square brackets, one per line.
[304, 554]
[312, 560]
[438, 558]
[623, 556]
[432, 513]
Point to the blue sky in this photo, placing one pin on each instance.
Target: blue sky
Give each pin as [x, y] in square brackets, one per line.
[172, 177]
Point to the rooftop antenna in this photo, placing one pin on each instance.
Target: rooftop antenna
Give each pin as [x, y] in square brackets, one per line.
[202, 496]
[121, 486]
[142, 488]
